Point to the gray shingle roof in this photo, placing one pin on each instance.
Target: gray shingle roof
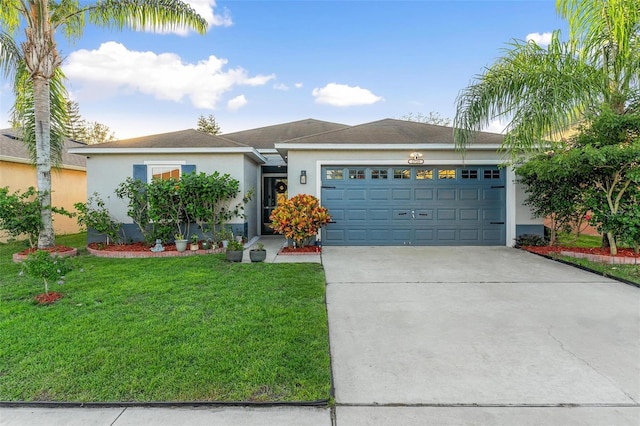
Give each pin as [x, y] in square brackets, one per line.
[189, 138]
[390, 131]
[12, 146]
[265, 137]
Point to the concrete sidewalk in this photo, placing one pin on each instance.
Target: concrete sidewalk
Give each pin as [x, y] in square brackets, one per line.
[137, 416]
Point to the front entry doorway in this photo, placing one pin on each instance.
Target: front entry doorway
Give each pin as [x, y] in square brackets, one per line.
[274, 189]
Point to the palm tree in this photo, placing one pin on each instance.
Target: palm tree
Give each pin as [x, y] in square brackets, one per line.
[541, 92]
[41, 21]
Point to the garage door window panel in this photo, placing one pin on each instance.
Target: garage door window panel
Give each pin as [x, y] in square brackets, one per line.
[424, 174]
[446, 174]
[334, 174]
[357, 174]
[379, 174]
[402, 174]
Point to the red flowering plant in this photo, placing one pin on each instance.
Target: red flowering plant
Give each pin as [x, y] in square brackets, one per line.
[299, 218]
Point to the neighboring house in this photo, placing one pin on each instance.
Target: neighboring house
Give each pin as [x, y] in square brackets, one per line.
[68, 184]
[389, 182]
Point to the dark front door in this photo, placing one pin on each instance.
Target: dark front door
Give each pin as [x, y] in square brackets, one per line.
[274, 189]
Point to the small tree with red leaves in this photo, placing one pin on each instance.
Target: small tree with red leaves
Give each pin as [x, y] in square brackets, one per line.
[299, 218]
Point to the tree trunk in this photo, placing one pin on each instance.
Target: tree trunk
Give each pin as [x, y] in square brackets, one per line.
[613, 248]
[42, 113]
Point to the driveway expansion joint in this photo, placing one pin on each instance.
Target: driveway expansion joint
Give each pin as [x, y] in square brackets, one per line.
[585, 362]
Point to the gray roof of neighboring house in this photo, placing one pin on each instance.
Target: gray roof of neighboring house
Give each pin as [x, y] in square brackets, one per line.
[11, 146]
[189, 138]
[390, 131]
[266, 137]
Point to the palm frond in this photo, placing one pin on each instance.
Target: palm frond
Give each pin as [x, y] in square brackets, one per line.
[538, 91]
[145, 14]
[10, 55]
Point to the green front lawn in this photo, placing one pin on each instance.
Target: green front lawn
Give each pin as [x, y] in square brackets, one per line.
[169, 329]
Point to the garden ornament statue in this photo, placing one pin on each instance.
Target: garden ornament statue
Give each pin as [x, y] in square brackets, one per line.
[158, 247]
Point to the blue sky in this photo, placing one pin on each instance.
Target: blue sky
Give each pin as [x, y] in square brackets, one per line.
[270, 62]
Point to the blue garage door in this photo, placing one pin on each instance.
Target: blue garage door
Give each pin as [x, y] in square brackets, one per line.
[424, 205]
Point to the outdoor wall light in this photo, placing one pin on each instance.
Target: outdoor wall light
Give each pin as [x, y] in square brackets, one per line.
[303, 177]
[416, 158]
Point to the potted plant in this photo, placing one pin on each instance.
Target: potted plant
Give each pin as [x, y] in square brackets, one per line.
[205, 245]
[258, 254]
[225, 235]
[194, 242]
[181, 242]
[234, 252]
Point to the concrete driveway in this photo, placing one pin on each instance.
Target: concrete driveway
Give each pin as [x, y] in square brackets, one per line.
[486, 335]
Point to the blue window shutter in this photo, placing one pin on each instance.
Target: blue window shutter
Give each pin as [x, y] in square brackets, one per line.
[140, 172]
[188, 168]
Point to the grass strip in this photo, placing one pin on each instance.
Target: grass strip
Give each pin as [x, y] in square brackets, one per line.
[191, 328]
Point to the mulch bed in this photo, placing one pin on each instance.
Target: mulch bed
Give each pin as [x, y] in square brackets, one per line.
[141, 246]
[54, 249]
[142, 249]
[300, 250]
[550, 250]
[47, 299]
[62, 251]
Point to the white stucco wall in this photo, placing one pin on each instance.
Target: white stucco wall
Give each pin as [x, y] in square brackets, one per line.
[250, 183]
[106, 171]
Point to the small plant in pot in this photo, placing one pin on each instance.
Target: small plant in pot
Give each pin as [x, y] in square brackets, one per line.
[194, 242]
[258, 254]
[234, 251]
[181, 242]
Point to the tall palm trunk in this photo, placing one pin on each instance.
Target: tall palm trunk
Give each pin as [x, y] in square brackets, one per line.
[42, 112]
[42, 59]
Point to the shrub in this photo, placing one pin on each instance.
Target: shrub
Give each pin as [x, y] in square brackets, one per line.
[93, 214]
[531, 240]
[20, 213]
[299, 218]
[43, 265]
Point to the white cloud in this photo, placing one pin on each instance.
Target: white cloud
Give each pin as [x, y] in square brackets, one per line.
[281, 86]
[113, 69]
[496, 126]
[236, 103]
[205, 8]
[298, 85]
[343, 95]
[541, 39]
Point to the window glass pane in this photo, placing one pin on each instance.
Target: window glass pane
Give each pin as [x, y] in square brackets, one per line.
[424, 174]
[165, 172]
[356, 174]
[379, 174]
[492, 174]
[469, 174]
[334, 174]
[401, 173]
[446, 174]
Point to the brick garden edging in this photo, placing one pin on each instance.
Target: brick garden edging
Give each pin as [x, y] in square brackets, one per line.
[612, 260]
[139, 254]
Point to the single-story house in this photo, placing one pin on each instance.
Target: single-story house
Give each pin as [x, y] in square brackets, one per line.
[68, 183]
[388, 182]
